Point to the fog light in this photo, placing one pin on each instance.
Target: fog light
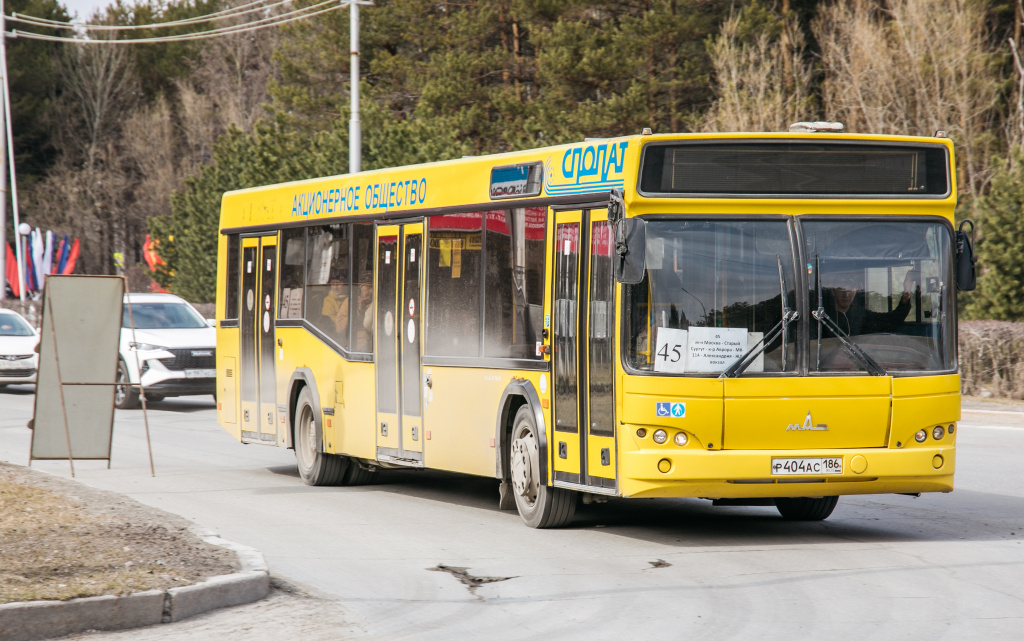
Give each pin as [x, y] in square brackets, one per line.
[681, 439]
[660, 436]
[937, 461]
[952, 428]
[938, 432]
[921, 436]
[664, 465]
[641, 432]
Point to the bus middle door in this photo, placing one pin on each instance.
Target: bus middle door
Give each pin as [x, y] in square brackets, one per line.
[583, 365]
[397, 344]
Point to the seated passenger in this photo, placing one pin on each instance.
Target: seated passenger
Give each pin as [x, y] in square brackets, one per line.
[335, 307]
[362, 328]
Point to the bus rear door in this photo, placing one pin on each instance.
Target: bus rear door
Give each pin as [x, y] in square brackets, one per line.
[256, 352]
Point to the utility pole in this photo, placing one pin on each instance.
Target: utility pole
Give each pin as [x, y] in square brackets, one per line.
[355, 131]
[7, 156]
[3, 173]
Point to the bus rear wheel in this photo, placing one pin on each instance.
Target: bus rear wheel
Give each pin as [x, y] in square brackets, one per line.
[539, 505]
[315, 467]
[806, 509]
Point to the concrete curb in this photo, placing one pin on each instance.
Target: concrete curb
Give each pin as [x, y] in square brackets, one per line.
[34, 620]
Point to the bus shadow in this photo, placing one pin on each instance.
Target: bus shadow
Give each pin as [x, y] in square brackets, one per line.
[965, 515]
[962, 515]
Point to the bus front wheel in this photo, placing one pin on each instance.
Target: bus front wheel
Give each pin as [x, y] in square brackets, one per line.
[539, 505]
[806, 509]
[315, 467]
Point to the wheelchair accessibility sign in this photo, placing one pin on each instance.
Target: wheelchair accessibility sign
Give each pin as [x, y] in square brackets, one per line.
[675, 410]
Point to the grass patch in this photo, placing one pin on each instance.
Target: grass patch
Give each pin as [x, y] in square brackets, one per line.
[53, 546]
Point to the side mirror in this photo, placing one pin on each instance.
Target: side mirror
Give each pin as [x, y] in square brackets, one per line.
[966, 279]
[212, 322]
[630, 241]
[630, 250]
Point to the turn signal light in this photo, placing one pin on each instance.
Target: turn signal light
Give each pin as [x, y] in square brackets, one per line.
[660, 436]
[921, 436]
[952, 428]
[681, 439]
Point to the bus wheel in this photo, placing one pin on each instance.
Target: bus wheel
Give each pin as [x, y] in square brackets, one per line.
[356, 474]
[806, 509]
[315, 467]
[539, 506]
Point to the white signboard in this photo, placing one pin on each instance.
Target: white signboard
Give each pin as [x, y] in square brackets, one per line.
[754, 338]
[670, 350]
[713, 349]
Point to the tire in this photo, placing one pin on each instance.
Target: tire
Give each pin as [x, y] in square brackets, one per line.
[806, 509]
[540, 506]
[315, 467]
[126, 397]
[356, 475]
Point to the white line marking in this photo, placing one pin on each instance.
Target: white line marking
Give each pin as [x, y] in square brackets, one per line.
[993, 412]
[995, 427]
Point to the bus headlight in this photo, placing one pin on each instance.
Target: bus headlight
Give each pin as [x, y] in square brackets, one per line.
[681, 439]
[660, 436]
[938, 432]
[921, 436]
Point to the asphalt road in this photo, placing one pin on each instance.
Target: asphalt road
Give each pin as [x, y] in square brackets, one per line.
[946, 566]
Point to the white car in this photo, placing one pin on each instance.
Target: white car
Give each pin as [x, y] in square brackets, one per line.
[173, 346]
[18, 358]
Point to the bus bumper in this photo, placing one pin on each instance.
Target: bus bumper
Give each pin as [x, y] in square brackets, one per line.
[747, 474]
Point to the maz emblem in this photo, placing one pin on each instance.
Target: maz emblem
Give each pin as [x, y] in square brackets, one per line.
[808, 425]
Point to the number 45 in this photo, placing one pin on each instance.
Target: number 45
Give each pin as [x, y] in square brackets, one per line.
[674, 356]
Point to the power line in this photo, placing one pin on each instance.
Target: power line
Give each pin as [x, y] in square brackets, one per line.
[233, 12]
[273, 21]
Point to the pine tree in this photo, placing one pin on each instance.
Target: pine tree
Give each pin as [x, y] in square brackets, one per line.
[1000, 293]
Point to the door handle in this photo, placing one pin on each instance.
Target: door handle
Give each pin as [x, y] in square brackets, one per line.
[429, 382]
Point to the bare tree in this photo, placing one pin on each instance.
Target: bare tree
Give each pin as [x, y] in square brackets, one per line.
[763, 85]
[915, 67]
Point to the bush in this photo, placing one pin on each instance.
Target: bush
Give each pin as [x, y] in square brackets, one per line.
[991, 361]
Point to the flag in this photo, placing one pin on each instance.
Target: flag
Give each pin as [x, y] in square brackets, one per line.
[30, 272]
[65, 250]
[12, 272]
[47, 262]
[72, 257]
[38, 249]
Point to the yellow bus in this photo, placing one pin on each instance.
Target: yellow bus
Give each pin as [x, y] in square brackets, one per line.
[755, 319]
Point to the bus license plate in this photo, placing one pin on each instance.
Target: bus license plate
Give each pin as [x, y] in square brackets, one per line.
[200, 373]
[823, 465]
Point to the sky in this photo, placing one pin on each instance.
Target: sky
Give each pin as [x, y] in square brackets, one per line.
[84, 8]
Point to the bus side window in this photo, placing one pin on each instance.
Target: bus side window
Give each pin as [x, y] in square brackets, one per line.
[453, 284]
[234, 283]
[327, 281]
[292, 268]
[514, 282]
[362, 287]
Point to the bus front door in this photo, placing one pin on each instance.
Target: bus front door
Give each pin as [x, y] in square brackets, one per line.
[583, 363]
[397, 344]
[256, 353]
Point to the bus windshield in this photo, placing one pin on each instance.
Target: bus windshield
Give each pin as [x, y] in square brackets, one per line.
[718, 291]
[886, 286]
[713, 290]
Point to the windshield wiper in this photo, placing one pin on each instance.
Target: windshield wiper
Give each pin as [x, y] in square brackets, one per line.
[858, 354]
[788, 316]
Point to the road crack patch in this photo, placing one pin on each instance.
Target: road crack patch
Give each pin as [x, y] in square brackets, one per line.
[465, 578]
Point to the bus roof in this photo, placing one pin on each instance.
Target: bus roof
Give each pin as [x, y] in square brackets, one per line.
[587, 171]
